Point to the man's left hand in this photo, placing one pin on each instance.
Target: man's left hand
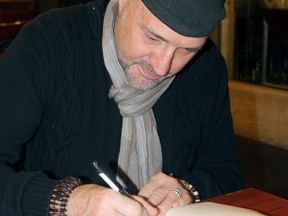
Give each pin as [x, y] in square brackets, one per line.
[165, 192]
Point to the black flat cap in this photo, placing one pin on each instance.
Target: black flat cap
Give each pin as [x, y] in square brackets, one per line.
[196, 18]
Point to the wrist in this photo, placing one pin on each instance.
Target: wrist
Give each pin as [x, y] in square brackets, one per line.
[192, 189]
[60, 195]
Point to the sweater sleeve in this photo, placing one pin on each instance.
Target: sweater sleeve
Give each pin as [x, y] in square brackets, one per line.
[22, 87]
[39, 76]
[216, 166]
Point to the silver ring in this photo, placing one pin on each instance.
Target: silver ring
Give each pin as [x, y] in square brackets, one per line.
[176, 192]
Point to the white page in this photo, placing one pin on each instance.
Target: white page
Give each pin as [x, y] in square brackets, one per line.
[212, 209]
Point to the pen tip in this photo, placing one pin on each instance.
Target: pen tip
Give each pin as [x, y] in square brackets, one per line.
[95, 163]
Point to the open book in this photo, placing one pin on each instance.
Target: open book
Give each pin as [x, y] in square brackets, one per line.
[212, 209]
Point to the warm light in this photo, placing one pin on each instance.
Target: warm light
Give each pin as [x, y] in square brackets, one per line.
[5, 24]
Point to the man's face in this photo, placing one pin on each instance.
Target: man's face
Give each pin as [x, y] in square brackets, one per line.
[148, 50]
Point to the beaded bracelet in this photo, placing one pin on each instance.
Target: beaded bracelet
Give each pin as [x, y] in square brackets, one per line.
[191, 189]
[60, 195]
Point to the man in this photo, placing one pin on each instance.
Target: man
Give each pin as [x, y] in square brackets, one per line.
[143, 92]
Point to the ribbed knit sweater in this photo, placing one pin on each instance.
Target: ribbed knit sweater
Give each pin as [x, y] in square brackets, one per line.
[56, 116]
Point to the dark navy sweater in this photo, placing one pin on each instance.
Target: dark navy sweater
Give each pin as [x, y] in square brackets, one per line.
[56, 117]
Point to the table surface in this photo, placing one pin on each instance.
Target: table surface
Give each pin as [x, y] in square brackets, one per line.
[252, 198]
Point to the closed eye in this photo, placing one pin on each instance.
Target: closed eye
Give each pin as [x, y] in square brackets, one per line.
[152, 38]
[193, 49]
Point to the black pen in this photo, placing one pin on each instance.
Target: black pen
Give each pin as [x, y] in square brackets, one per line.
[107, 177]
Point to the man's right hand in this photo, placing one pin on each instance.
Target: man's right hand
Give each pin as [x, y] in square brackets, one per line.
[92, 199]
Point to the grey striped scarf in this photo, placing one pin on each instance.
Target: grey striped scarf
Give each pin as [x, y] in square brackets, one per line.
[140, 155]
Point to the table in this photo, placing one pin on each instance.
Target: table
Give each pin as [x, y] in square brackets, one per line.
[252, 198]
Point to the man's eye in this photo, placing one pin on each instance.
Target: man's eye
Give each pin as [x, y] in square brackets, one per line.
[151, 38]
[189, 51]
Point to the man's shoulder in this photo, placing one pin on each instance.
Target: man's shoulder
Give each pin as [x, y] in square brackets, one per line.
[79, 14]
[65, 15]
[69, 22]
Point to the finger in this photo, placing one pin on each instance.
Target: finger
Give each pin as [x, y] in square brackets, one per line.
[151, 210]
[168, 202]
[132, 207]
[176, 192]
[157, 187]
[158, 195]
[185, 199]
[158, 180]
[175, 198]
[155, 182]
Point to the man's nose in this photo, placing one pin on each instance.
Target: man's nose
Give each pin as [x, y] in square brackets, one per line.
[163, 62]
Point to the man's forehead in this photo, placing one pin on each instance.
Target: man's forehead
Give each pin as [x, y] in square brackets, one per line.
[166, 34]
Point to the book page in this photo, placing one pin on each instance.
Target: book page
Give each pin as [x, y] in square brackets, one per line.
[212, 209]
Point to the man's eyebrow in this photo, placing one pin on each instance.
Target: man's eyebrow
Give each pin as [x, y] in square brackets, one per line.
[194, 49]
[189, 49]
